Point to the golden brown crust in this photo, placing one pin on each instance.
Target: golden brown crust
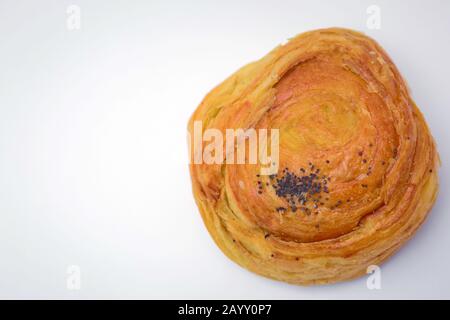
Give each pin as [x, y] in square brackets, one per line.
[341, 105]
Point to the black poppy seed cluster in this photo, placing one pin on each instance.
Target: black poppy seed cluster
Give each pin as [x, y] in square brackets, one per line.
[301, 191]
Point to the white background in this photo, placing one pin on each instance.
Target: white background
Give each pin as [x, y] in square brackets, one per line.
[93, 157]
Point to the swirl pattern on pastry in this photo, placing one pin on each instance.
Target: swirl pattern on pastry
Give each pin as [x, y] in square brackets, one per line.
[357, 164]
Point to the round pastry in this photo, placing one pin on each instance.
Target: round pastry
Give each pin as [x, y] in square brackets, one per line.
[346, 168]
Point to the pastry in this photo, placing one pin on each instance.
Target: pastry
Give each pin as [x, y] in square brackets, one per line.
[355, 170]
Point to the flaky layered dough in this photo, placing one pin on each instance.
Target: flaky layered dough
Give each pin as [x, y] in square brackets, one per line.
[347, 124]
